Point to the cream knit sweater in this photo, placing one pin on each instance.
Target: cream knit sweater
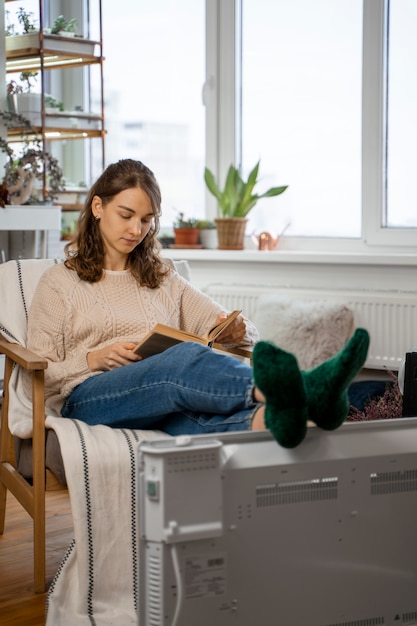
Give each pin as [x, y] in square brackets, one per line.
[69, 317]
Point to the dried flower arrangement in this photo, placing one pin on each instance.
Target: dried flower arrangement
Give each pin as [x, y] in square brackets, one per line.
[387, 406]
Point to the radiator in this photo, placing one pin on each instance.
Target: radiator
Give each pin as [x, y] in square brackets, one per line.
[390, 318]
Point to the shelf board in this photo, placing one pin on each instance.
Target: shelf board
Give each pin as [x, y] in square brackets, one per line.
[23, 52]
[71, 207]
[53, 133]
[30, 217]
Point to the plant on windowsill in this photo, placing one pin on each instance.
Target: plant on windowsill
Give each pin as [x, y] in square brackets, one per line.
[186, 231]
[235, 201]
[208, 234]
[32, 164]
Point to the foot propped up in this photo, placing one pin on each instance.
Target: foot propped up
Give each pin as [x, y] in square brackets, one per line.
[327, 384]
[293, 396]
[278, 377]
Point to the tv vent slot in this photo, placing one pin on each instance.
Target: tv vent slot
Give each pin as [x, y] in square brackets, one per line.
[373, 621]
[154, 595]
[316, 490]
[384, 483]
[192, 462]
[410, 619]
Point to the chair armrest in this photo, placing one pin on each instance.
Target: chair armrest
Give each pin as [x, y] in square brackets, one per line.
[22, 356]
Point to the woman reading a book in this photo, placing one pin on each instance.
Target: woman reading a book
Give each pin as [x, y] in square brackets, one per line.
[89, 313]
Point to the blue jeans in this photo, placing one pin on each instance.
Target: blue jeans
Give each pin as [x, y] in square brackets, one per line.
[188, 389]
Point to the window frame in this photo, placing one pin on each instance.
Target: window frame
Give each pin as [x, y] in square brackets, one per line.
[224, 126]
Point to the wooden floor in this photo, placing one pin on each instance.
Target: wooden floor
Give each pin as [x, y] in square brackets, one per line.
[19, 606]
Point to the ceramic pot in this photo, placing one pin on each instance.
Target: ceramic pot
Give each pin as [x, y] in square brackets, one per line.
[208, 238]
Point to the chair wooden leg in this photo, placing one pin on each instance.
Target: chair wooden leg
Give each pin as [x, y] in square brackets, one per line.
[39, 530]
[31, 497]
[5, 443]
[3, 499]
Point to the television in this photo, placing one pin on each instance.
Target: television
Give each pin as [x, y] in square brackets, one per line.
[238, 531]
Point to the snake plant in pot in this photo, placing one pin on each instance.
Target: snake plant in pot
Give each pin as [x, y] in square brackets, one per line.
[235, 201]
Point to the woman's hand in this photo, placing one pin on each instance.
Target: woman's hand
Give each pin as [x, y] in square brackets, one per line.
[234, 333]
[112, 356]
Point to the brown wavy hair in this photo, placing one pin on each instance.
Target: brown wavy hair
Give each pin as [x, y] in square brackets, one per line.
[85, 251]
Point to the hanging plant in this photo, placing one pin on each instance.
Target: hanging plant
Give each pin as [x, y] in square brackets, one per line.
[33, 163]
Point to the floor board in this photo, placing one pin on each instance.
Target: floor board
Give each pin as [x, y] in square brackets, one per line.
[19, 605]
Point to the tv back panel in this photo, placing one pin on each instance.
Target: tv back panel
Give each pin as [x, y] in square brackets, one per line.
[236, 530]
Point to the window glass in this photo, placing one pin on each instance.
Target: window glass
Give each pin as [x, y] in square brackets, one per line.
[401, 112]
[154, 72]
[301, 113]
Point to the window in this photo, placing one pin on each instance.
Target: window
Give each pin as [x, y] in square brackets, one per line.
[315, 90]
[153, 77]
[301, 112]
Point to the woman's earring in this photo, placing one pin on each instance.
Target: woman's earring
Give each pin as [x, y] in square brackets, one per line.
[97, 218]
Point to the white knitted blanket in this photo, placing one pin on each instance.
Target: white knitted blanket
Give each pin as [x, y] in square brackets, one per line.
[97, 582]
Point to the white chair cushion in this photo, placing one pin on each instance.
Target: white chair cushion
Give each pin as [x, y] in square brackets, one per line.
[18, 280]
[313, 330]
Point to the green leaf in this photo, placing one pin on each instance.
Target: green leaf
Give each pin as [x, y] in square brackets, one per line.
[211, 184]
[237, 198]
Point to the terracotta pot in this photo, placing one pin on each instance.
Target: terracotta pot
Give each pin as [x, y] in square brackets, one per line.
[231, 233]
[186, 236]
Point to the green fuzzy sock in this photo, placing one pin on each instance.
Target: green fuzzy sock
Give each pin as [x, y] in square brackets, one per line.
[326, 385]
[277, 375]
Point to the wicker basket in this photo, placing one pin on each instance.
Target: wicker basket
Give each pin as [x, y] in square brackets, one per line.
[231, 232]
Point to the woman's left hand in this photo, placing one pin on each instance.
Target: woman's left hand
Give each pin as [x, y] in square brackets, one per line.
[234, 333]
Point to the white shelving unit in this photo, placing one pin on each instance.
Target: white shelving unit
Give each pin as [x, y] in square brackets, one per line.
[43, 52]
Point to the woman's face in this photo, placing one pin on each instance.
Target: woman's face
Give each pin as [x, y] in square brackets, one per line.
[124, 221]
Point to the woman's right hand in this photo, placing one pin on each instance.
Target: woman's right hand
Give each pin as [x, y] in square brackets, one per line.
[112, 356]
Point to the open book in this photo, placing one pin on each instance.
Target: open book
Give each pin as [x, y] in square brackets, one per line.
[162, 337]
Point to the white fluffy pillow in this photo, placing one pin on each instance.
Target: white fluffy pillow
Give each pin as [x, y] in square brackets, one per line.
[313, 330]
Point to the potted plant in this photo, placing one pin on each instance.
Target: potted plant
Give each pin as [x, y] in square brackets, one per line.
[27, 36]
[185, 231]
[208, 234]
[26, 21]
[52, 104]
[32, 164]
[21, 99]
[235, 201]
[63, 27]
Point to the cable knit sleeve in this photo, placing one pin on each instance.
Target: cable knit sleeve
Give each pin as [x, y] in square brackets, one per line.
[49, 335]
[199, 313]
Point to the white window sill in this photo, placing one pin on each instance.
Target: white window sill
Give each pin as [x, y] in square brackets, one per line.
[295, 256]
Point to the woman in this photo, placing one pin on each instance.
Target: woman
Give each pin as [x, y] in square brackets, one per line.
[89, 312]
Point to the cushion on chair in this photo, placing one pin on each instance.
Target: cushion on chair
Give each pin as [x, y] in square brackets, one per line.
[313, 330]
[18, 280]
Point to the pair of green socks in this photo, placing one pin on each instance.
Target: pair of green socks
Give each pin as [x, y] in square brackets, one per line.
[293, 397]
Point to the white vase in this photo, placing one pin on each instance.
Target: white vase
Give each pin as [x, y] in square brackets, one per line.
[208, 238]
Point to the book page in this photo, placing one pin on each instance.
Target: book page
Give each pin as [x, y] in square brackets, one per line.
[218, 329]
[162, 337]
